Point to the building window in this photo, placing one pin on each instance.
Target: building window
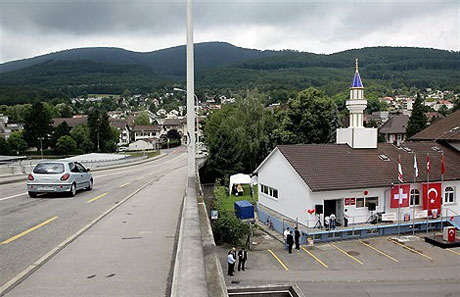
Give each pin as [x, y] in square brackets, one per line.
[449, 195]
[272, 192]
[414, 197]
[359, 202]
[373, 200]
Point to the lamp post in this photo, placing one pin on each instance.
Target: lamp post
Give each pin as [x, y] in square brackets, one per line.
[41, 145]
[196, 114]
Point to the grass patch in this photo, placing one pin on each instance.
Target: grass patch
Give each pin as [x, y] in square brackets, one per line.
[225, 203]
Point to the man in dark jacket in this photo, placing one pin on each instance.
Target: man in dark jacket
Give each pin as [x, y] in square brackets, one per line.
[242, 257]
[297, 238]
[290, 242]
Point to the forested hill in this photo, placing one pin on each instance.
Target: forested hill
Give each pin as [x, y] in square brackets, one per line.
[223, 66]
[170, 61]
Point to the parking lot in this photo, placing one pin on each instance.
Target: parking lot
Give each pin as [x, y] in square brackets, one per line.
[404, 258]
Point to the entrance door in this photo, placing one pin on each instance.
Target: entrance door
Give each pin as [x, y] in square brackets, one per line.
[330, 207]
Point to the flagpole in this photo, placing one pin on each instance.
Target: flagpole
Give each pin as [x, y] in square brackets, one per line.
[413, 202]
[442, 188]
[428, 169]
[400, 177]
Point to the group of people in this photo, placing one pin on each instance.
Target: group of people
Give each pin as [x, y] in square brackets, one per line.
[232, 257]
[330, 222]
[290, 239]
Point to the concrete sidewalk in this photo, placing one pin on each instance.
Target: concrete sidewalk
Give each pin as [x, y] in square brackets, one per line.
[129, 252]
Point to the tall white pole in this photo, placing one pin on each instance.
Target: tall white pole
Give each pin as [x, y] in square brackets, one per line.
[190, 92]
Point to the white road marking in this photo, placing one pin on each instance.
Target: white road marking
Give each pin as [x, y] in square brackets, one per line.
[17, 195]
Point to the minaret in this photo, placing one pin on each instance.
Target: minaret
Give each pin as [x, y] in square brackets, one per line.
[356, 136]
[357, 104]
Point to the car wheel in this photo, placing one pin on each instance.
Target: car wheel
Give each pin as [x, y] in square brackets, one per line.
[32, 194]
[73, 190]
[90, 186]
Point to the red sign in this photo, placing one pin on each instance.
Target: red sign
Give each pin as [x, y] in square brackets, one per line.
[350, 201]
[432, 196]
[396, 192]
[451, 234]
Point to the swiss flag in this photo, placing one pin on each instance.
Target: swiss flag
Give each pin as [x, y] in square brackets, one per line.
[432, 195]
[405, 194]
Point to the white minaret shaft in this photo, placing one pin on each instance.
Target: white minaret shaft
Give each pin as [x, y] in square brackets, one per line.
[357, 103]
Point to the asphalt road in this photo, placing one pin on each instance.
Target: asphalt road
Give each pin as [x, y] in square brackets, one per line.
[31, 227]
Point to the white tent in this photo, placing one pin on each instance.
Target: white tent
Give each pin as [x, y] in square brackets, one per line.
[239, 178]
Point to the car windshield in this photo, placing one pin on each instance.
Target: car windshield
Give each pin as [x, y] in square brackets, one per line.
[49, 168]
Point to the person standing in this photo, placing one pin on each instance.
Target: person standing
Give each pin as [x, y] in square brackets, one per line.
[290, 242]
[333, 221]
[327, 221]
[297, 238]
[285, 234]
[231, 263]
[345, 218]
[242, 257]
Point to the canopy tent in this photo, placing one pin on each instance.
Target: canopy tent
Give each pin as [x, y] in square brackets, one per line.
[239, 178]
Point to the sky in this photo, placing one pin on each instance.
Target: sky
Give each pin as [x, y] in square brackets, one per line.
[30, 28]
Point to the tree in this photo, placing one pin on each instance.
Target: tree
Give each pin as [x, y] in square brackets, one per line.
[37, 123]
[80, 134]
[62, 129]
[16, 142]
[310, 118]
[100, 132]
[142, 119]
[65, 111]
[417, 121]
[4, 147]
[65, 145]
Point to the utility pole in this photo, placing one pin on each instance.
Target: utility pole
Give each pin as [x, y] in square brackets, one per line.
[190, 94]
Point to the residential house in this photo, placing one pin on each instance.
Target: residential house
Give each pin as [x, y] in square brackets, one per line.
[394, 129]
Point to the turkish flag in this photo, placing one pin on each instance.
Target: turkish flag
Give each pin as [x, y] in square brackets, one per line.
[404, 191]
[432, 196]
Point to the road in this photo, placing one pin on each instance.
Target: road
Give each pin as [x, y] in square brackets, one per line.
[31, 227]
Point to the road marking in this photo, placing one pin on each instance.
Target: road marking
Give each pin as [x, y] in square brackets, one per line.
[347, 254]
[452, 251]
[17, 195]
[95, 198]
[281, 262]
[410, 249]
[379, 251]
[125, 184]
[314, 257]
[28, 231]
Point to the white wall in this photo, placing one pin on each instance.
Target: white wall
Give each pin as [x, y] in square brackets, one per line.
[293, 195]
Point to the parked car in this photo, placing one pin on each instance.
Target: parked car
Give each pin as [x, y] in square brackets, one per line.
[59, 176]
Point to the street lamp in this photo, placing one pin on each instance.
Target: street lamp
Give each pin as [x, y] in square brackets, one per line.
[41, 145]
[196, 111]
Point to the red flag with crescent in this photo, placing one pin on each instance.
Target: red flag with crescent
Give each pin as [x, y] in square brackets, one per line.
[432, 197]
[443, 164]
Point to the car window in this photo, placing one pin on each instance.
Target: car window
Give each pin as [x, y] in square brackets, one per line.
[80, 167]
[49, 168]
[73, 167]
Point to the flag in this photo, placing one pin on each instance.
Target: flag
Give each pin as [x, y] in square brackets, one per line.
[400, 196]
[443, 164]
[432, 197]
[415, 166]
[400, 173]
[428, 163]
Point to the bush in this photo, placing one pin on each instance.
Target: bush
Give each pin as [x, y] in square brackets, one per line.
[65, 145]
[227, 228]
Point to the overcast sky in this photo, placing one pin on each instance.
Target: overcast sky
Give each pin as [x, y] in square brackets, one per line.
[31, 27]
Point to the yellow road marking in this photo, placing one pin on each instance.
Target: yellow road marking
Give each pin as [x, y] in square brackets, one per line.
[125, 184]
[411, 249]
[281, 262]
[95, 198]
[314, 257]
[28, 231]
[379, 251]
[452, 251]
[350, 256]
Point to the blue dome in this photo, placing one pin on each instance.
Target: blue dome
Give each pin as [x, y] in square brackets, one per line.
[357, 83]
